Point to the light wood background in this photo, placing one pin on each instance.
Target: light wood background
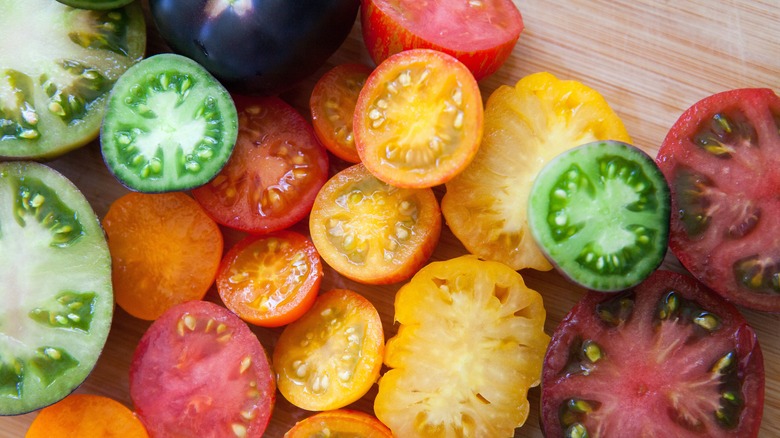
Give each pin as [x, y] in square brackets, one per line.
[650, 59]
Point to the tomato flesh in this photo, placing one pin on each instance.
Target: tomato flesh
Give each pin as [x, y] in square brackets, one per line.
[339, 423]
[86, 415]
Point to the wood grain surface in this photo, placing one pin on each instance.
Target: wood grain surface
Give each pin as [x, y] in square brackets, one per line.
[650, 59]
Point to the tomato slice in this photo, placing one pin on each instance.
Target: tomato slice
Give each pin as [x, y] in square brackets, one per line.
[86, 415]
[165, 250]
[526, 126]
[667, 358]
[198, 371]
[720, 159]
[418, 119]
[331, 356]
[270, 280]
[274, 173]
[481, 34]
[372, 232]
[332, 105]
[470, 344]
[339, 423]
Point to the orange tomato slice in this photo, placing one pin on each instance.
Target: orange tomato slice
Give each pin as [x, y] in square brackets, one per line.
[86, 415]
[339, 423]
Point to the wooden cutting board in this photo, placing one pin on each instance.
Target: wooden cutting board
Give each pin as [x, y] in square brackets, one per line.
[650, 59]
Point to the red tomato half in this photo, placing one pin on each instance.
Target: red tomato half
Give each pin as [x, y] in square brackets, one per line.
[481, 34]
[276, 169]
[199, 371]
[722, 161]
[668, 358]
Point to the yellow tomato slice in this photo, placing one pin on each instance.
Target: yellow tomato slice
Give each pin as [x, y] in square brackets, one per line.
[470, 344]
[526, 126]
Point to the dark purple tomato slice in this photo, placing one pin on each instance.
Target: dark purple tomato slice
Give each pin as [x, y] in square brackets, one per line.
[668, 358]
[199, 371]
[722, 161]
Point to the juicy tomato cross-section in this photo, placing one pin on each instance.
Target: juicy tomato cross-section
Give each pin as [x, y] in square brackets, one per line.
[86, 415]
[339, 423]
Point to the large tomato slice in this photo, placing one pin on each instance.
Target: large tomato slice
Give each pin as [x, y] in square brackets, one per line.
[274, 173]
[525, 127]
[721, 161]
[470, 344]
[667, 358]
[199, 371]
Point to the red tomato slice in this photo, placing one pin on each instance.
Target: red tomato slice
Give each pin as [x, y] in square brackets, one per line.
[332, 106]
[481, 34]
[270, 280]
[667, 358]
[199, 371]
[339, 423]
[331, 356]
[276, 169]
[721, 161]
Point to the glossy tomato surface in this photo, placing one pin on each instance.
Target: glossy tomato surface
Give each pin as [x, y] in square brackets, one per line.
[257, 46]
[339, 423]
[721, 161]
[667, 358]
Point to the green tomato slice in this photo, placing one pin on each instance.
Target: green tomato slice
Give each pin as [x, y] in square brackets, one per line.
[169, 126]
[600, 213]
[55, 285]
[57, 67]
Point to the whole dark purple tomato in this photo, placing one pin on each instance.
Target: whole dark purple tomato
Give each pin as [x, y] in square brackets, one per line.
[256, 46]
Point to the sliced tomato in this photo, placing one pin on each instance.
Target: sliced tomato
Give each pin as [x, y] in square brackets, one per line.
[165, 250]
[721, 161]
[332, 105]
[469, 346]
[481, 34]
[331, 356]
[83, 415]
[418, 119]
[667, 358]
[526, 126]
[270, 280]
[372, 232]
[339, 423]
[198, 371]
[274, 173]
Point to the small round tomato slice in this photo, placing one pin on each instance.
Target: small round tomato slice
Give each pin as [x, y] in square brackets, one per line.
[276, 169]
[332, 105]
[198, 371]
[86, 415]
[270, 280]
[666, 358]
[372, 232]
[720, 159]
[339, 423]
[418, 119]
[165, 250]
[331, 356]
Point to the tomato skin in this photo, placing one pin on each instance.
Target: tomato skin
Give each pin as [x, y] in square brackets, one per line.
[278, 280]
[390, 27]
[86, 415]
[720, 159]
[256, 46]
[339, 422]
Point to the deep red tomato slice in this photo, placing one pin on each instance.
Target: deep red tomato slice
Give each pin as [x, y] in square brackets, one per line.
[667, 358]
[339, 423]
[332, 105]
[270, 280]
[199, 371]
[276, 169]
[481, 34]
[722, 161]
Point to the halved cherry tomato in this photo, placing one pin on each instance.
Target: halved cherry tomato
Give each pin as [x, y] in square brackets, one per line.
[418, 119]
[270, 280]
[372, 232]
[165, 250]
[339, 423]
[86, 415]
[331, 356]
[198, 371]
[276, 169]
[526, 126]
[332, 106]
[469, 346]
